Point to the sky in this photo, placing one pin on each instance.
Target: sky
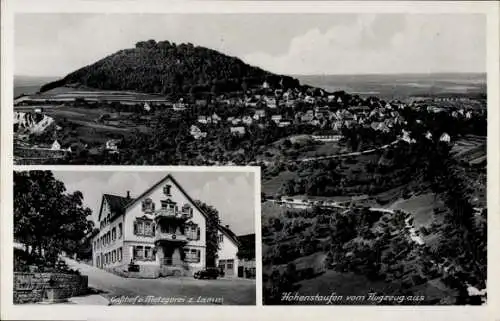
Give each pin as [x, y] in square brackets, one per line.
[231, 193]
[56, 44]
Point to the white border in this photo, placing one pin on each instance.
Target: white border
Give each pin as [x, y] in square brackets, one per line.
[488, 312]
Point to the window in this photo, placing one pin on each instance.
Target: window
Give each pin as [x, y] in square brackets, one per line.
[148, 206]
[148, 228]
[113, 234]
[120, 230]
[192, 232]
[120, 254]
[138, 252]
[186, 208]
[192, 255]
[148, 253]
[166, 190]
[114, 256]
[168, 205]
[229, 264]
[143, 227]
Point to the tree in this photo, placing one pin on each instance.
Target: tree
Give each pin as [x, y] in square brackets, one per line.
[46, 218]
[212, 231]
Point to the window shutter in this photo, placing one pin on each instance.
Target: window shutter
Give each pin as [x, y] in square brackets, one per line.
[154, 230]
[198, 252]
[135, 228]
[197, 233]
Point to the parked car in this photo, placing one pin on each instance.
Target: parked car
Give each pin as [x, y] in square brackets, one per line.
[209, 273]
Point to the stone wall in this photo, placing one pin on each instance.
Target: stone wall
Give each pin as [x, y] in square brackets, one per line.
[34, 287]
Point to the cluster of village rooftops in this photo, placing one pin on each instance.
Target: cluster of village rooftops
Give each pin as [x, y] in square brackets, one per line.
[328, 112]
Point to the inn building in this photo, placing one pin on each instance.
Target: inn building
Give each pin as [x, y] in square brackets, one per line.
[162, 232]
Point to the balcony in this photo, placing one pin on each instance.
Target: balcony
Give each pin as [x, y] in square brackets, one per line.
[170, 237]
[172, 214]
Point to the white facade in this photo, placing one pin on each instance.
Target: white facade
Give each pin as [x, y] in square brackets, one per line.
[227, 258]
[162, 231]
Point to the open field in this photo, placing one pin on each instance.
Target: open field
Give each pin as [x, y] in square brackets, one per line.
[70, 94]
[350, 284]
[272, 185]
[421, 207]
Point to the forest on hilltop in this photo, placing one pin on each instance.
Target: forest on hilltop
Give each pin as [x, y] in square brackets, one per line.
[166, 68]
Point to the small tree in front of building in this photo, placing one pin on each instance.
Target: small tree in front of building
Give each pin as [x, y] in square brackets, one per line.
[212, 231]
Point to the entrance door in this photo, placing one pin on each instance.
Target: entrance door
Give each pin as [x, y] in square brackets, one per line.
[229, 268]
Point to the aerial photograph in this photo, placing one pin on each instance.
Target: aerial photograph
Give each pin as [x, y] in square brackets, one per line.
[369, 130]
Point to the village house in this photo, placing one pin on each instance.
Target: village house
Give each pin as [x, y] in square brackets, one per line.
[202, 119]
[180, 105]
[276, 118]
[291, 103]
[111, 146]
[259, 113]
[55, 145]
[251, 104]
[197, 133]
[270, 102]
[236, 121]
[309, 100]
[215, 118]
[284, 123]
[315, 122]
[239, 130]
[229, 244]
[445, 138]
[247, 120]
[161, 232]
[406, 137]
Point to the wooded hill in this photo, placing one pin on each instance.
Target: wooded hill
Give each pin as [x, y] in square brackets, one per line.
[166, 68]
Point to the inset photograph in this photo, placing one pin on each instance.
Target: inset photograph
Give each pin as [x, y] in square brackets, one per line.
[134, 237]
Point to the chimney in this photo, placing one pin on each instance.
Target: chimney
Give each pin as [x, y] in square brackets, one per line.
[128, 194]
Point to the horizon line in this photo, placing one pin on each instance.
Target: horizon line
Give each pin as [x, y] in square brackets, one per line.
[323, 74]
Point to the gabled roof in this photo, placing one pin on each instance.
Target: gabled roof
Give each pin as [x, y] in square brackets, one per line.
[117, 204]
[124, 206]
[230, 234]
